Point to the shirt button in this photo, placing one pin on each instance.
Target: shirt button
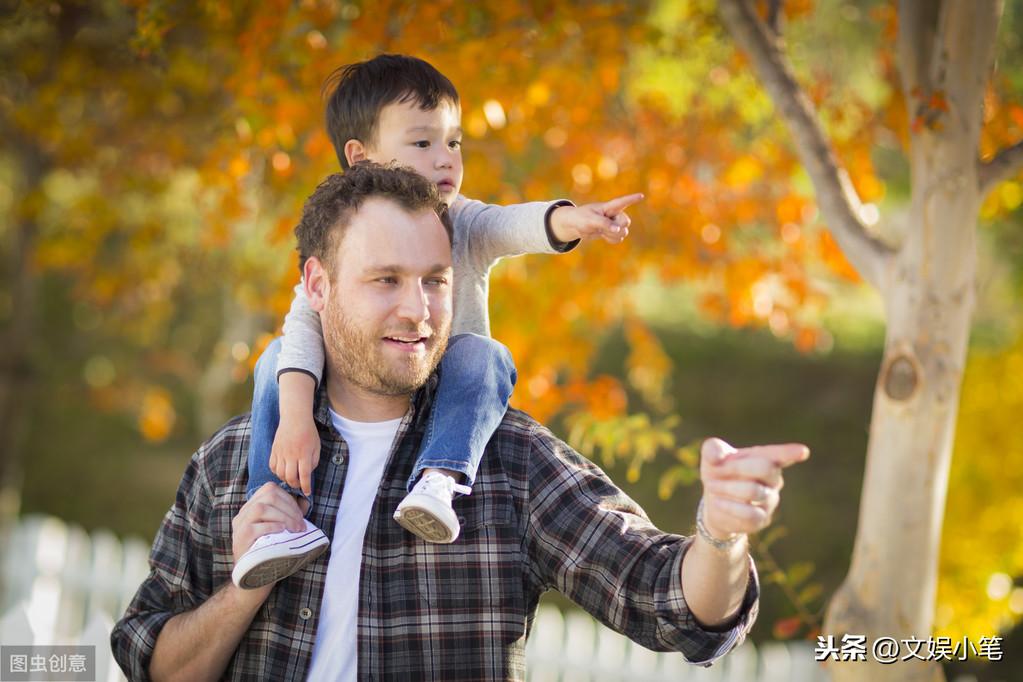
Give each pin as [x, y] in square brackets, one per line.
[305, 614]
[338, 459]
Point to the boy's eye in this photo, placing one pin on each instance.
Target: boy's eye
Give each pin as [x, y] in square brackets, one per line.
[455, 144]
[422, 144]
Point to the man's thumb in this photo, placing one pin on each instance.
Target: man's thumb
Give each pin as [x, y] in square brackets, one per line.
[715, 450]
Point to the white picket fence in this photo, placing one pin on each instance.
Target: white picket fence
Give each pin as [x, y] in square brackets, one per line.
[62, 585]
[573, 647]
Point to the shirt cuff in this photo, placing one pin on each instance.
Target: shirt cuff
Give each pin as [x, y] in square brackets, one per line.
[556, 244]
[316, 380]
[134, 641]
[728, 637]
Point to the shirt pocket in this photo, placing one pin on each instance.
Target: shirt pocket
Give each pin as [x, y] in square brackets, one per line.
[482, 569]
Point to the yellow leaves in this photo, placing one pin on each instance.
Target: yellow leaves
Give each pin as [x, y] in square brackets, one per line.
[743, 171]
[633, 438]
[648, 367]
[609, 75]
[981, 541]
[156, 415]
[538, 94]
[791, 209]
[1016, 115]
[1011, 195]
[1006, 197]
[475, 123]
[238, 166]
[832, 255]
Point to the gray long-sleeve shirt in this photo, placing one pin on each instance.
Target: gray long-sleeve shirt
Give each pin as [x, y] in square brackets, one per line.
[483, 234]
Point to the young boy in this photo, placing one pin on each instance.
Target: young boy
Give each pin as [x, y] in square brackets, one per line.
[401, 109]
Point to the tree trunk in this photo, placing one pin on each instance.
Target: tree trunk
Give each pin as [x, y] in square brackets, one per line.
[217, 380]
[891, 585]
[17, 376]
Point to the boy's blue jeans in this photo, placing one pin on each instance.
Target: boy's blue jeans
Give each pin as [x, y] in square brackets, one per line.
[477, 375]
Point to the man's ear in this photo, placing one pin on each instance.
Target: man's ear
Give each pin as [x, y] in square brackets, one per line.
[355, 151]
[316, 281]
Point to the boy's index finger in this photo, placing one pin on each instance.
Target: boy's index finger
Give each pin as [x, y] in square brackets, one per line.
[615, 206]
[782, 455]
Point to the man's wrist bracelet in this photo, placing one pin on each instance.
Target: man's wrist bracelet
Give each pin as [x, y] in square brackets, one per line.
[711, 540]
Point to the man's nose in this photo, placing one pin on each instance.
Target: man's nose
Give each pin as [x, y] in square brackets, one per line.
[414, 305]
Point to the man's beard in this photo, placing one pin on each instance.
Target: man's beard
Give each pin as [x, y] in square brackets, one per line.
[358, 354]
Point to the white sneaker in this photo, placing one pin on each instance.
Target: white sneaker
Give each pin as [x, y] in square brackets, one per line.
[427, 512]
[275, 556]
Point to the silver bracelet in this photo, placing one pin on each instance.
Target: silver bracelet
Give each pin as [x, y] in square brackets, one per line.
[713, 541]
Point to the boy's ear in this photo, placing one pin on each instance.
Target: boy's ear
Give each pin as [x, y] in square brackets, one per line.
[316, 281]
[355, 151]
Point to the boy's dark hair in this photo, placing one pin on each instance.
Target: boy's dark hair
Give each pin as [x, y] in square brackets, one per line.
[357, 93]
[328, 211]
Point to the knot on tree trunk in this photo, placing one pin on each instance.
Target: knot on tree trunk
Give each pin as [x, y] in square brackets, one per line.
[901, 376]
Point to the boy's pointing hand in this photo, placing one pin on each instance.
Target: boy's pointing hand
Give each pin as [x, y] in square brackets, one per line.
[607, 220]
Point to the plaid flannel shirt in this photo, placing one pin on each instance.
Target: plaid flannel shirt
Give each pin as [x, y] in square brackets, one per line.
[541, 517]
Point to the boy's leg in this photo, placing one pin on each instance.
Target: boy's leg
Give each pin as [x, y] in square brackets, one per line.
[278, 555]
[477, 376]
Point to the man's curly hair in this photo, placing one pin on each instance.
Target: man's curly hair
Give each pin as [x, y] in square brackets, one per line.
[328, 211]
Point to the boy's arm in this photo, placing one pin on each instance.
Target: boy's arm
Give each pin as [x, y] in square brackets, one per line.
[296, 447]
[493, 232]
[606, 220]
[302, 343]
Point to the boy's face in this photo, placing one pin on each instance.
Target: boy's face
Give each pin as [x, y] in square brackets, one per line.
[428, 141]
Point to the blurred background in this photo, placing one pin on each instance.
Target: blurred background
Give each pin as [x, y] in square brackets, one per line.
[154, 157]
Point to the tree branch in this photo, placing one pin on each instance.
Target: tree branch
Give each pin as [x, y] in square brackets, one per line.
[918, 27]
[1006, 163]
[836, 196]
[773, 14]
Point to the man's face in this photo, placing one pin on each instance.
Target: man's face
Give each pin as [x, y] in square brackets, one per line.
[387, 316]
[428, 141]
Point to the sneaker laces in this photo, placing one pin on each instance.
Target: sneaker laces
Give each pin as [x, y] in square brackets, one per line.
[434, 483]
[270, 538]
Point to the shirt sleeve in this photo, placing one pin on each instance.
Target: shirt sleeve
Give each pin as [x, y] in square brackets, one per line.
[493, 232]
[302, 343]
[178, 580]
[591, 542]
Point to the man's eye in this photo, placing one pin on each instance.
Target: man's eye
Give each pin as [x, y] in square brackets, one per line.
[422, 144]
[437, 281]
[386, 280]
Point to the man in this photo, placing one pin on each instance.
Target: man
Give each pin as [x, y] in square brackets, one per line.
[384, 604]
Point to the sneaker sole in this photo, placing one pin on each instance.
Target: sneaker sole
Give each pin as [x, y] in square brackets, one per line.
[424, 525]
[269, 571]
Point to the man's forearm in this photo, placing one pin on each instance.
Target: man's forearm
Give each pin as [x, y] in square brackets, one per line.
[714, 581]
[198, 644]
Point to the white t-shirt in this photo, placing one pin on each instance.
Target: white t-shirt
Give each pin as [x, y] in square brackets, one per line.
[369, 444]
